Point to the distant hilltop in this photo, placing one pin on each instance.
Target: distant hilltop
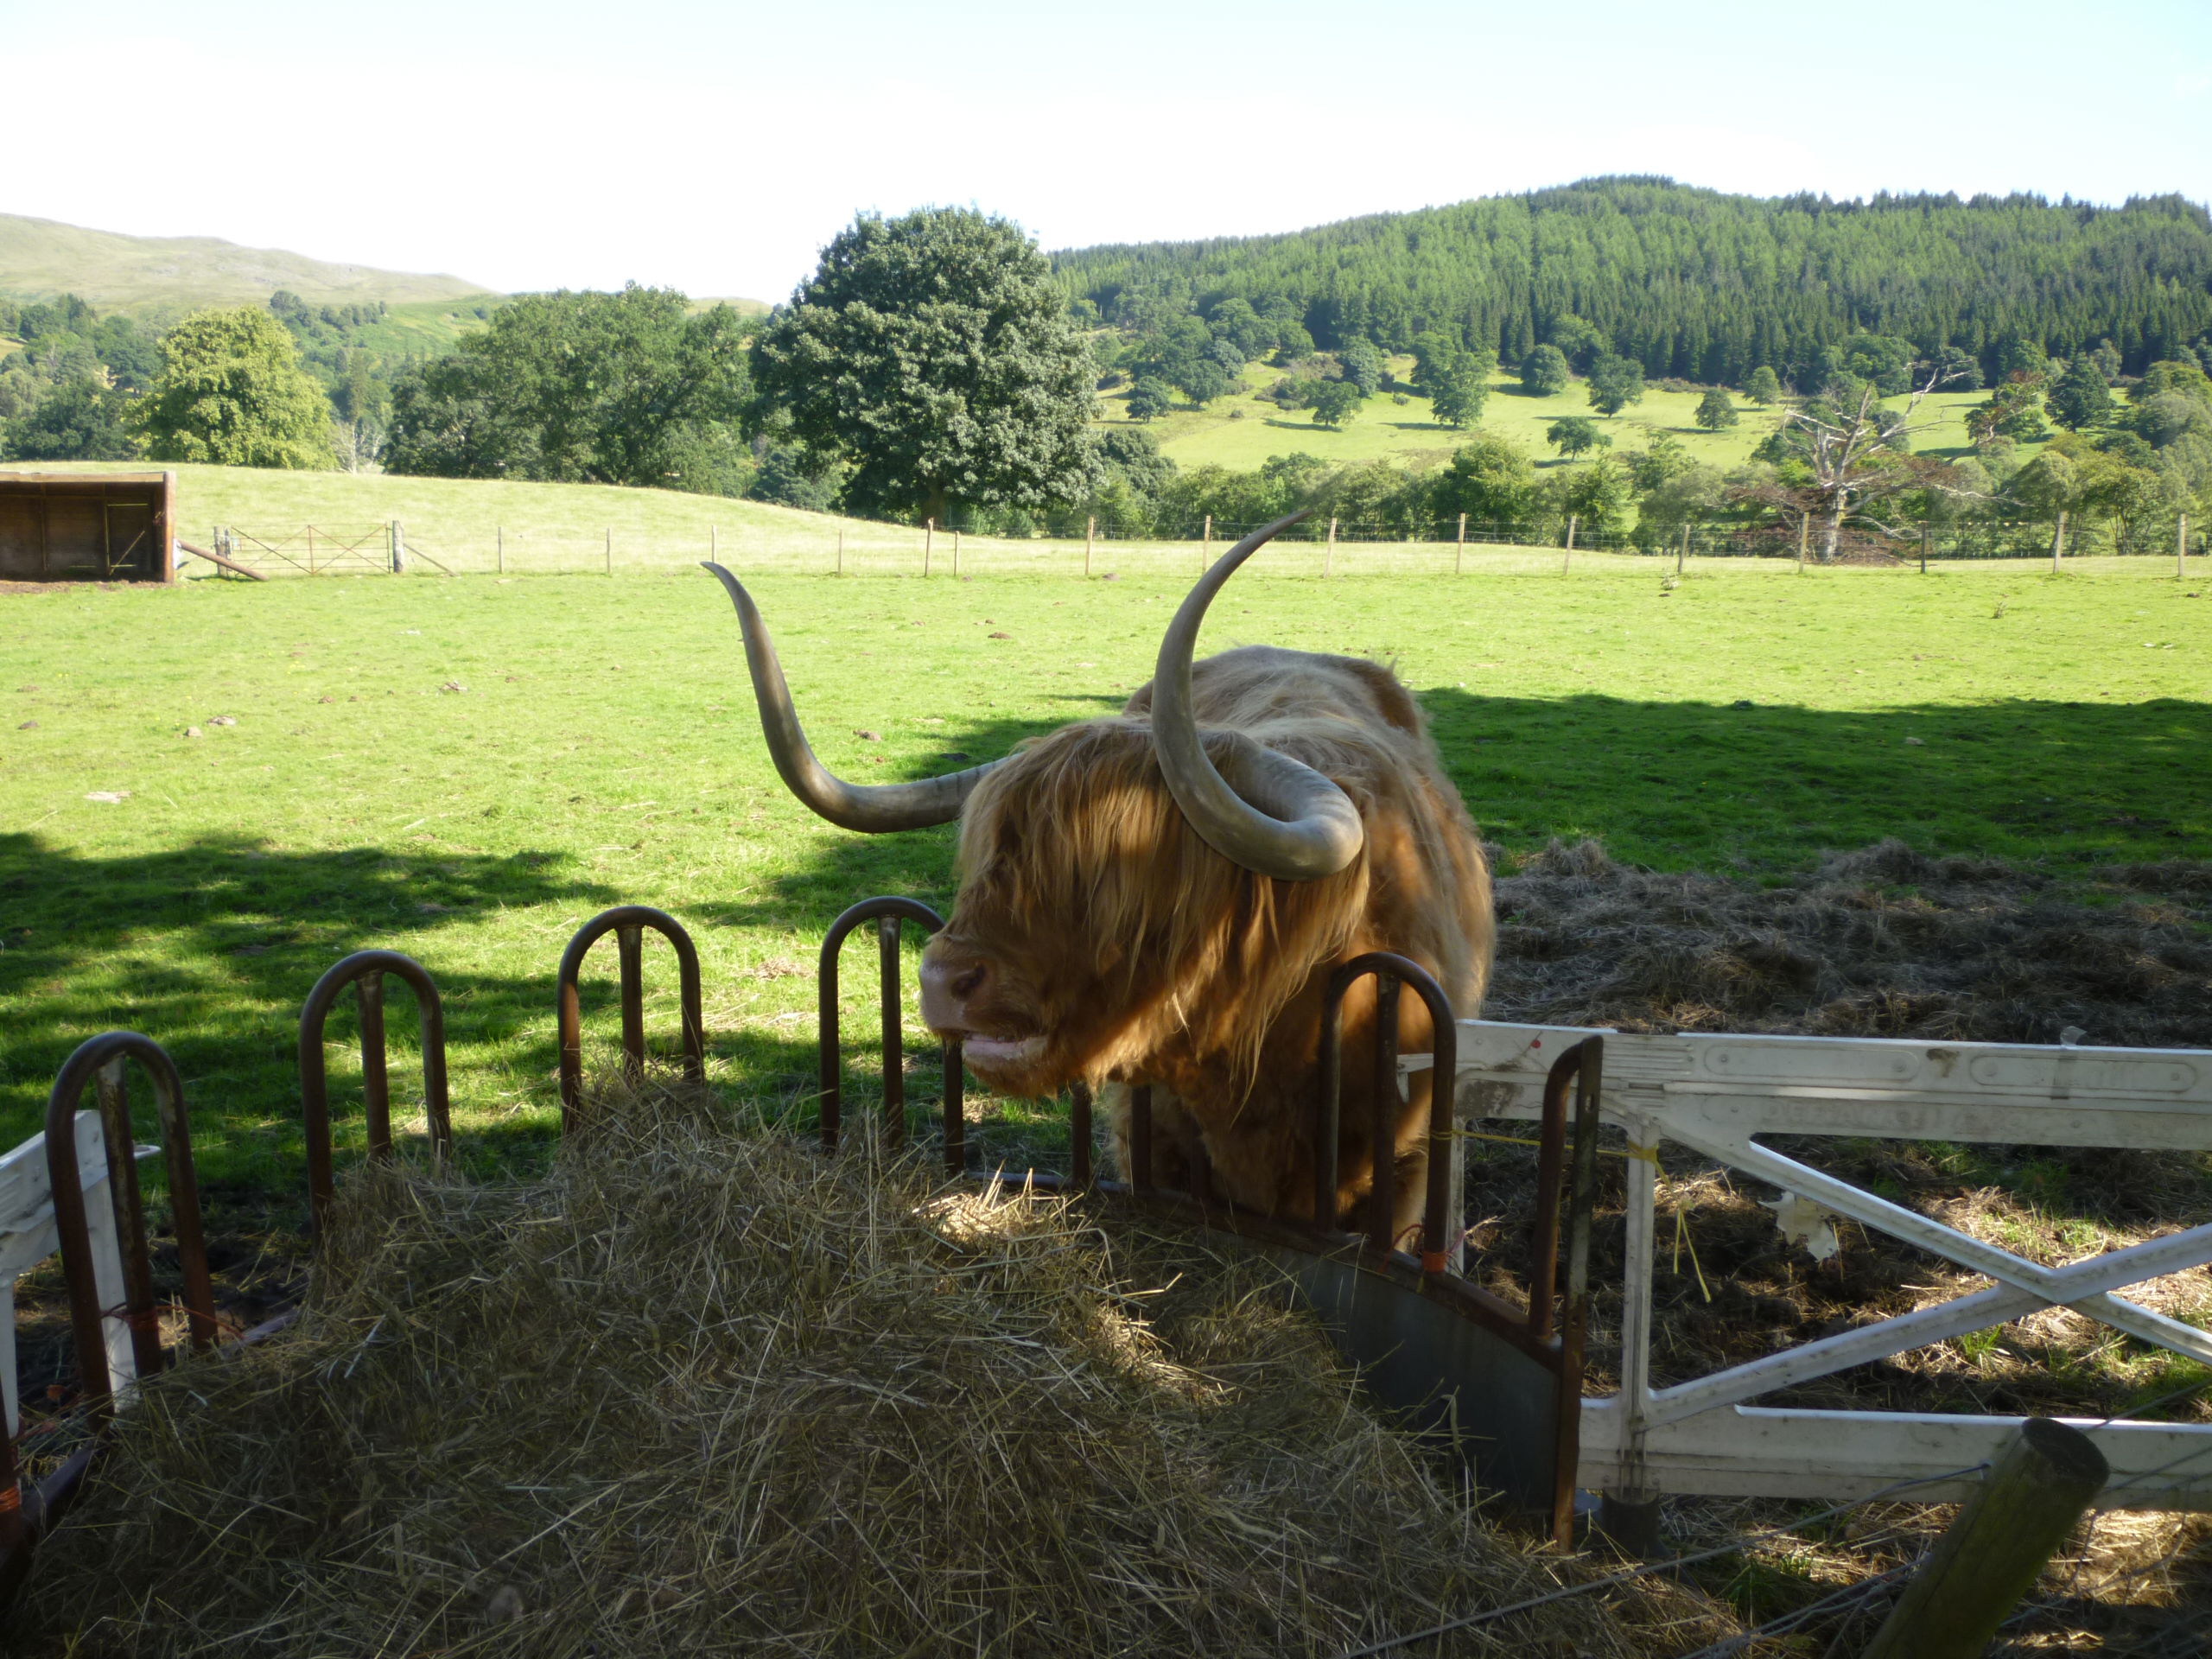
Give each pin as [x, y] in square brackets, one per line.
[160, 277]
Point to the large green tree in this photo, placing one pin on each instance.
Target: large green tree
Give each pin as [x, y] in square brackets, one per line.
[594, 388]
[1543, 371]
[1573, 435]
[1615, 382]
[2081, 397]
[1490, 480]
[230, 391]
[934, 356]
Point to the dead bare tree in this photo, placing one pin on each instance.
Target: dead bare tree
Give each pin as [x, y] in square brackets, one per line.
[1853, 453]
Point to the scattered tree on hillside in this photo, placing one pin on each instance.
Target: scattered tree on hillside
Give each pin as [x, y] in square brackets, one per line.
[1598, 495]
[1150, 398]
[1663, 457]
[1763, 387]
[1543, 371]
[1335, 402]
[933, 354]
[1362, 366]
[81, 419]
[1205, 380]
[590, 388]
[2014, 410]
[1488, 479]
[1715, 410]
[1615, 382]
[230, 391]
[2082, 396]
[1576, 435]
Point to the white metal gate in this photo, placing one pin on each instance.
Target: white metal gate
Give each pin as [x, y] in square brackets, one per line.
[1716, 1095]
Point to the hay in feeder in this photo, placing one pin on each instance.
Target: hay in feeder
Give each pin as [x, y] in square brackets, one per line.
[702, 1392]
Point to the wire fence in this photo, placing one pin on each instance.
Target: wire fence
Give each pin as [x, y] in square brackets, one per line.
[1319, 549]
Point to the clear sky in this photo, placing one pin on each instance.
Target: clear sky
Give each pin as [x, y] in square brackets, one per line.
[716, 147]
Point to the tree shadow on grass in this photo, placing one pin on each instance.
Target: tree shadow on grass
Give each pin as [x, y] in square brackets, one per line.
[211, 949]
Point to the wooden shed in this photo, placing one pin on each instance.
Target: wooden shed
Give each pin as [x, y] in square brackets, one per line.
[87, 526]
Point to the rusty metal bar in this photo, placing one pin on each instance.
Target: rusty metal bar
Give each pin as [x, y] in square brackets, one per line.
[129, 1215]
[1589, 1079]
[1543, 1270]
[376, 1083]
[138, 1312]
[364, 971]
[1383, 1118]
[630, 949]
[888, 913]
[569, 1016]
[1140, 1138]
[894, 1033]
[1079, 1134]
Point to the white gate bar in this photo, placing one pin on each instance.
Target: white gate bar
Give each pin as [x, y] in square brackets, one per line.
[27, 1236]
[2153, 1098]
[1752, 1451]
[1713, 1093]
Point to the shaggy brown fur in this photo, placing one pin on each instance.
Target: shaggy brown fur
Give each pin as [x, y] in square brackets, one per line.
[1138, 955]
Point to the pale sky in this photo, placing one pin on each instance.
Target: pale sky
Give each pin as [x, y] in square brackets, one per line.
[716, 147]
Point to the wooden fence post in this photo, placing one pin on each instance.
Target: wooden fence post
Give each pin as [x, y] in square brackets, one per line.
[610, 550]
[499, 543]
[2181, 545]
[1460, 551]
[1329, 553]
[956, 553]
[2058, 541]
[1988, 1557]
[1927, 531]
[1567, 560]
[1682, 553]
[840, 550]
[1205, 546]
[1090, 529]
[310, 550]
[1804, 539]
[713, 545]
[929, 536]
[399, 534]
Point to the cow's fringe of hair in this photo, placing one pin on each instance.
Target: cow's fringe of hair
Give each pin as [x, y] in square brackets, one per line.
[1196, 946]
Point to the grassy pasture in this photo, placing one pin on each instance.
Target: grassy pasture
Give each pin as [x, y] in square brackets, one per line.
[1242, 429]
[603, 750]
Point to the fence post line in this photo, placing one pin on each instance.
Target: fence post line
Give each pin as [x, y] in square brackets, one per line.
[929, 534]
[1329, 553]
[2058, 541]
[1460, 551]
[499, 545]
[1987, 1559]
[1090, 529]
[610, 550]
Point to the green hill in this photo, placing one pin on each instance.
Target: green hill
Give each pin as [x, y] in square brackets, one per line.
[158, 277]
[1700, 285]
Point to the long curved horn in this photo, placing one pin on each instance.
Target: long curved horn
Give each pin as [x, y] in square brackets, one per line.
[1279, 818]
[870, 807]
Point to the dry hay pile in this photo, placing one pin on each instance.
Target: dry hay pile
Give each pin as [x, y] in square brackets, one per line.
[697, 1391]
[1885, 943]
[1878, 943]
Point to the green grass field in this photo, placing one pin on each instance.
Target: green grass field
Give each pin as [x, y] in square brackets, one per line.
[604, 751]
[1243, 429]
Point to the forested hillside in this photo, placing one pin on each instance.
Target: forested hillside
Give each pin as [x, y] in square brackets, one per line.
[1700, 285]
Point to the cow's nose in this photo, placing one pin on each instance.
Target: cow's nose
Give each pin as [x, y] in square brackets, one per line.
[947, 989]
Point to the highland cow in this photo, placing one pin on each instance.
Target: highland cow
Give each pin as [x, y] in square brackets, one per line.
[1158, 899]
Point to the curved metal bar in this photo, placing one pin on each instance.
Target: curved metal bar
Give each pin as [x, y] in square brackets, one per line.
[86, 1313]
[1436, 1224]
[887, 913]
[364, 971]
[628, 921]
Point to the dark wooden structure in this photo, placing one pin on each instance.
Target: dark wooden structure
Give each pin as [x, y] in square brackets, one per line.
[87, 526]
